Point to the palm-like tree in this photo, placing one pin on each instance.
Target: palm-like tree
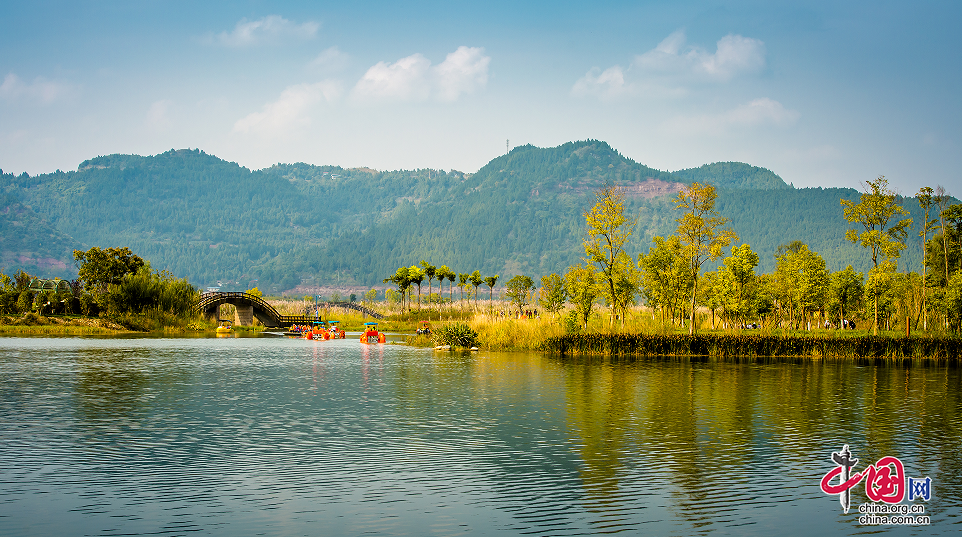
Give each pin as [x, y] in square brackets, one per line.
[451, 277]
[417, 276]
[402, 279]
[462, 283]
[476, 281]
[490, 281]
[430, 271]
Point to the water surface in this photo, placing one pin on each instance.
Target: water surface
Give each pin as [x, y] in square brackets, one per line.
[253, 436]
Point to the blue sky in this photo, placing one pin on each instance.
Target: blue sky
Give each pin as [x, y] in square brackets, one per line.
[822, 93]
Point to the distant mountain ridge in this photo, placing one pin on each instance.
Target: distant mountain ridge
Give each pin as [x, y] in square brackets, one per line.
[214, 221]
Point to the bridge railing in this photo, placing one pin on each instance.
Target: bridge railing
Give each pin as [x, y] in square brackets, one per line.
[208, 300]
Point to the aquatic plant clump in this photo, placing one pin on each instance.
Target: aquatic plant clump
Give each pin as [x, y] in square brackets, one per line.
[456, 335]
[948, 349]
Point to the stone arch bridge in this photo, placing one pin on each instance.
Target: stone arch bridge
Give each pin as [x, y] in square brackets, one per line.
[248, 307]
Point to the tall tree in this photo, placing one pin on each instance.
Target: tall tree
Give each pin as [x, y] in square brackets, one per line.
[451, 276]
[666, 278]
[552, 295]
[884, 235]
[462, 283]
[430, 271]
[582, 289]
[845, 291]
[491, 281]
[925, 197]
[402, 279]
[417, 277]
[517, 290]
[608, 232]
[703, 232]
[476, 281]
[99, 268]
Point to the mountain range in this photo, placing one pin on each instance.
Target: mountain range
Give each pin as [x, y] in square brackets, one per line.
[290, 225]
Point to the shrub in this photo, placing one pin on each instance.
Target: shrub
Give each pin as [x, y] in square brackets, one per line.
[456, 335]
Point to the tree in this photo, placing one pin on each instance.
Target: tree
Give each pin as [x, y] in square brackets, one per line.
[734, 281]
[99, 268]
[491, 281]
[877, 208]
[925, 197]
[941, 200]
[801, 281]
[701, 231]
[665, 276]
[608, 231]
[255, 292]
[451, 276]
[845, 291]
[517, 290]
[476, 281]
[443, 272]
[417, 277]
[552, 295]
[582, 290]
[430, 271]
[402, 279]
[462, 283]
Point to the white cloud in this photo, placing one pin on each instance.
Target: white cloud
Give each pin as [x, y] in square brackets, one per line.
[733, 55]
[462, 71]
[667, 69]
[290, 111]
[331, 59]
[760, 112]
[605, 84]
[158, 115]
[414, 78]
[269, 29]
[40, 90]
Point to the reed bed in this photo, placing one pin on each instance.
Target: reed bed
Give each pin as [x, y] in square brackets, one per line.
[942, 349]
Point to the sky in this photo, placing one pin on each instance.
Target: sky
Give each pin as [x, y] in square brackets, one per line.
[822, 93]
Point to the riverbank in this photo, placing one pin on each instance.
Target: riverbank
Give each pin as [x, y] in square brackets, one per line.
[38, 325]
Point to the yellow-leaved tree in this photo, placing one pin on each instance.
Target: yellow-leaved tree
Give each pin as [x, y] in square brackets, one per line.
[877, 212]
[702, 231]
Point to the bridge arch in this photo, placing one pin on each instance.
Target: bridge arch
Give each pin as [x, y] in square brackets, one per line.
[248, 307]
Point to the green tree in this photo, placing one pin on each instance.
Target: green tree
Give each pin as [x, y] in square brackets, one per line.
[491, 281]
[255, 292]
[451, 276]
[416, 275]
[845, 291]
[665, 277]
[925, 198]
[402, 279]
[517, 290]
[99, 268]
[476, 281]
[884, 235]
[702, 232]
[734, 285]
[552, 295]
[802, 281]
[430, 271]
[463, 278]
[582, 290]
[608, 232]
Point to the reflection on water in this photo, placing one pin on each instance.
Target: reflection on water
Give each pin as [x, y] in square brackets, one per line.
[241, 436]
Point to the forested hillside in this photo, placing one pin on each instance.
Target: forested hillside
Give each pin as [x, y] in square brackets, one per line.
[214, 221]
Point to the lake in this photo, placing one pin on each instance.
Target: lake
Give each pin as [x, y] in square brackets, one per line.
[277, 436]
